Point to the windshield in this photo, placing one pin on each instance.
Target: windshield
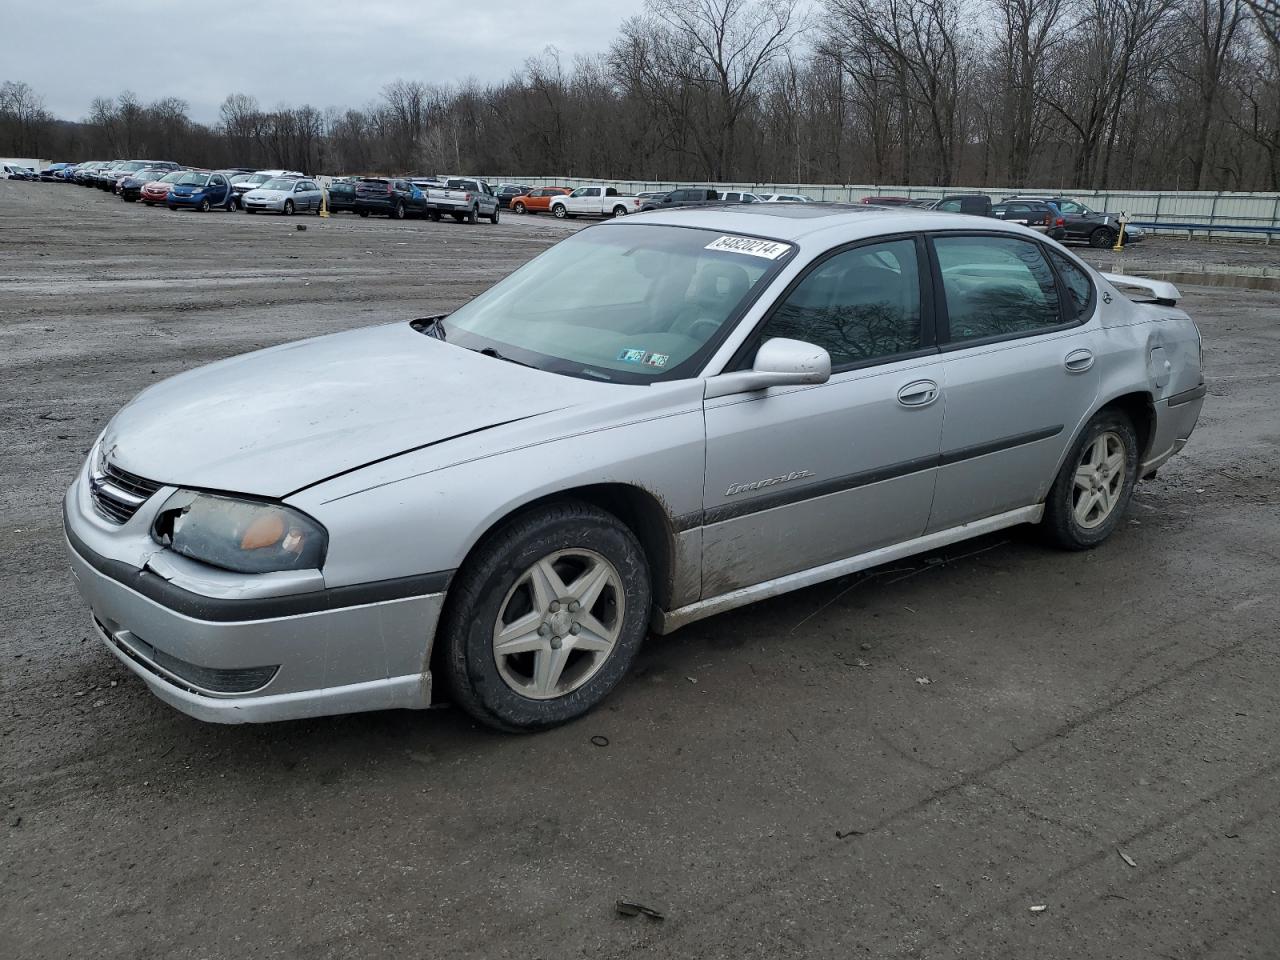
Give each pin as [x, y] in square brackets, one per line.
[255, 179]
[628, 303]
[190, 179]
[279, 183]
[174, 177]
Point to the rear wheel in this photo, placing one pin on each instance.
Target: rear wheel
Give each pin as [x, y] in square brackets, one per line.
[619, 211]
[458, 217]
[473, 215]
[233, 205]
[1093, 489]
[434, 215]
[1102, 238]
[546, 618]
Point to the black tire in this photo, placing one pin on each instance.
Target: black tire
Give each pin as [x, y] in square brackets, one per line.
[458, 218]
[473, 215]
[364, 213]
[434, 216]
[205, 206]
[233, 205]
[519, 208]
[464, 645]
[559, 211]
[1061, 524]
[288, 208]
[397, 212]
[1102, 238]
[619, 211]
[250, 210]
[496, 215]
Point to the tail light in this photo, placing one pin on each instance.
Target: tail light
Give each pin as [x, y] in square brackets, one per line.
[1060, 222]
[467, 198]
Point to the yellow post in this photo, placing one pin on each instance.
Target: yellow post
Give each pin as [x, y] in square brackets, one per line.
[324, 203]
[1120, 236]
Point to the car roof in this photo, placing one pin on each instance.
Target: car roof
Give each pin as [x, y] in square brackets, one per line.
[794, 222]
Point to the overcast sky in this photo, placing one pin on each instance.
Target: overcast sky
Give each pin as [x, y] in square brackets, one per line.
[323, 52]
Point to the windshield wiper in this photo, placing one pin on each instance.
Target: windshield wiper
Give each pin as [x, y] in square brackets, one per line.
[431, 326]
[490, 352]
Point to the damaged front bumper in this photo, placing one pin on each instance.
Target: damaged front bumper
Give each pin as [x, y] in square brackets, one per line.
[233, 648]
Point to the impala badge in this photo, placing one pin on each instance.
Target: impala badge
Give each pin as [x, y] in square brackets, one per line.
[771, 481]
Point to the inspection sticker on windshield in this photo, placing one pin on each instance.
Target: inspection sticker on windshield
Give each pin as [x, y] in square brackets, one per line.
[633, 356]
[768, 249]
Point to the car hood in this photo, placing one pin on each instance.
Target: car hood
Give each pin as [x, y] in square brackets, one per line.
[186, 189]
[273, 422]
[269, 194]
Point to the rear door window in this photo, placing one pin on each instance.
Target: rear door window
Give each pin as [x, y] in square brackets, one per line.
[1078, 286]
[995, 287]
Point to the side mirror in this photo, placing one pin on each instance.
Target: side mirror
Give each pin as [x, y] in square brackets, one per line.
[779, 363]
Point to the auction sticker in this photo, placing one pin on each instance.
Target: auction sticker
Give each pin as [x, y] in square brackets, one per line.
[767, 249]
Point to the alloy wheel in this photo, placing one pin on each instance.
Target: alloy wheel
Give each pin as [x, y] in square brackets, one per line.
[1099, 480]
[558, 624]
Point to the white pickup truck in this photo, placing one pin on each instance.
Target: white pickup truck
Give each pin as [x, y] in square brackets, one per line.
[595, 202]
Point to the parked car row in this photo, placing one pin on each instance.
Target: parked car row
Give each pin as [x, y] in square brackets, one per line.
[1060, 218]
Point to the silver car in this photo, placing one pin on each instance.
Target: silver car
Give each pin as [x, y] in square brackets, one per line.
[658, 419]
[285, 195]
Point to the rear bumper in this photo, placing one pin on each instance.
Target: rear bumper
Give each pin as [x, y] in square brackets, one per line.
[1176, 418]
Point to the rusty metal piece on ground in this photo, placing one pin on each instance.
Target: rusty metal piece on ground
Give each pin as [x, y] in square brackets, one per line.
[629, 908]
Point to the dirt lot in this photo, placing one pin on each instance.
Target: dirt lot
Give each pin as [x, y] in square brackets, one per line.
[777, 780]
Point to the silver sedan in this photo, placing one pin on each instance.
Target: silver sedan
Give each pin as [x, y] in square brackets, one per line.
[285, 195]
[658, 419]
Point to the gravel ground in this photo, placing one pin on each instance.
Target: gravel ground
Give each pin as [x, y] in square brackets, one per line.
[778, 781]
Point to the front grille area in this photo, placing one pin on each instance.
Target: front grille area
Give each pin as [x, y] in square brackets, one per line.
[117, 494]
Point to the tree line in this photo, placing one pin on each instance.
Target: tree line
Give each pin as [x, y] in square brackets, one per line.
[1090, 94]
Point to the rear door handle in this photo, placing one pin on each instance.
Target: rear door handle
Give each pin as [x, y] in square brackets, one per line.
[1078, 361]
[919, 393]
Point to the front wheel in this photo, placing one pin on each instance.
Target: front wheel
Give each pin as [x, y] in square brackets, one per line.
[1102, 238]
[559, 211]
[364, 213]
[434, 215]
[546, 618]
[288, 208]
[518, 208]
[1093, 489]
[205, 206]
[397, 212]
[496, 215]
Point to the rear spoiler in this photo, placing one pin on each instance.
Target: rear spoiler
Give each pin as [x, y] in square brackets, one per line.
[1164, 293]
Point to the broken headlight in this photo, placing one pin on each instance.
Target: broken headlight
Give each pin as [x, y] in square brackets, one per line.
[246, 536]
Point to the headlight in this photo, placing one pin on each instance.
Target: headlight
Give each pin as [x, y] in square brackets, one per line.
[240, 535]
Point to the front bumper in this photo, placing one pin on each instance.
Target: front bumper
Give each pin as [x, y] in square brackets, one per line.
[259, 658]
[191, 202]
[259, 204]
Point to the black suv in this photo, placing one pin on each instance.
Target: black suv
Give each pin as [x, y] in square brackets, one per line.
[691, 197]
[1096, 229]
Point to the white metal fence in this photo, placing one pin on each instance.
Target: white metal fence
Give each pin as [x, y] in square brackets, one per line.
[1254, 216]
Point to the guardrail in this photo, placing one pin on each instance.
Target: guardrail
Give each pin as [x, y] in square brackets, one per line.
[1215, 215]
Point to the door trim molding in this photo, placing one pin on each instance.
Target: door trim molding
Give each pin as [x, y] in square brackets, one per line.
[665, 621]
[824, 488]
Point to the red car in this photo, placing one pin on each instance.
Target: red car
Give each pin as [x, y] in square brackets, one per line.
[537, 200]
[158, 190]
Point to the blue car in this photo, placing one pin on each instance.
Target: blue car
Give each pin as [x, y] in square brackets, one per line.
[203, 191]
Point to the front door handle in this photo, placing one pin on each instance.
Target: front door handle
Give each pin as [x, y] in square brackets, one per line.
[1078, 361]
[919, 393]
